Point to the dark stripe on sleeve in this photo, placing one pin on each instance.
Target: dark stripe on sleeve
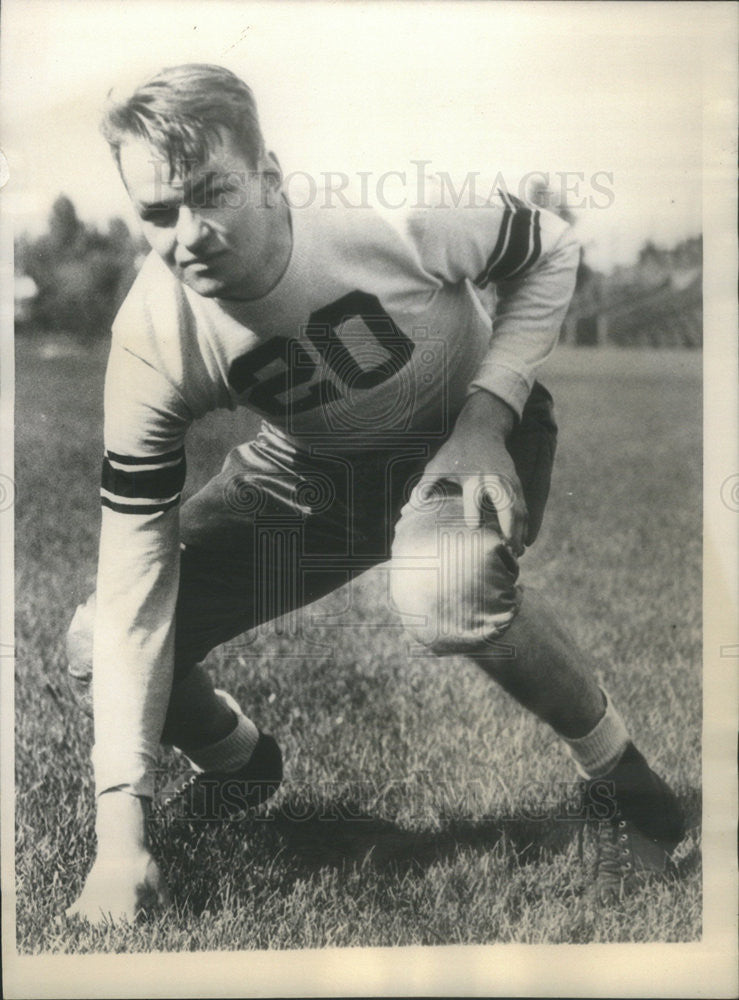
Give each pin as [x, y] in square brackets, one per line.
[537, 240]
[524, 244]
[149, 484]
[168, 456]
[518, 246]
[483, 278]
[155, 508]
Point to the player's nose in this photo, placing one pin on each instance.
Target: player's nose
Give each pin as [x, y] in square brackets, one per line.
[191, 230]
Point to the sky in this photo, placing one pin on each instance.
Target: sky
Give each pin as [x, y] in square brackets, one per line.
[605, 99]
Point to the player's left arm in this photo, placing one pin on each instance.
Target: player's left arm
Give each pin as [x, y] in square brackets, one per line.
[531, 256]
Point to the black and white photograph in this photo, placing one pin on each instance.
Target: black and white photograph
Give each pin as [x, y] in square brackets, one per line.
[368, 498]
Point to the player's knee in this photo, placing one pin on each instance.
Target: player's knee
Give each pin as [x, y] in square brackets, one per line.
[456, 592]
[79, 654]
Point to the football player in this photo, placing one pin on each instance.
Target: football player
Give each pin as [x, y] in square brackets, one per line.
[401, 423]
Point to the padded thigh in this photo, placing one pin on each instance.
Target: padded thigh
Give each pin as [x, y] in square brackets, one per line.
[455, 587]
[272, 532]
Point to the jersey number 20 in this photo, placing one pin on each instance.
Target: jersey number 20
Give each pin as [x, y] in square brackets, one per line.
[275, 393]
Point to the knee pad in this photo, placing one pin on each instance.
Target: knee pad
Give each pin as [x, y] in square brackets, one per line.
[79, 654]
[455, 588]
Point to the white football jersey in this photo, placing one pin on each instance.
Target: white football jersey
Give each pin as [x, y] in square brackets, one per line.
[374, 331]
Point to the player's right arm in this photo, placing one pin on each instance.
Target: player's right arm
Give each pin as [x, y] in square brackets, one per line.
[531, 257]
[133, 648]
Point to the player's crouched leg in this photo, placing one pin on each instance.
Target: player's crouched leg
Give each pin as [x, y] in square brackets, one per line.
[455, 587]
[79, 654]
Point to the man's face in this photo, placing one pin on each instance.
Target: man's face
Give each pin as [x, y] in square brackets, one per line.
[216, 228]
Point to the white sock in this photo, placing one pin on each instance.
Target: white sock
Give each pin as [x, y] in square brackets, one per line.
[234, 750]
[600, 750]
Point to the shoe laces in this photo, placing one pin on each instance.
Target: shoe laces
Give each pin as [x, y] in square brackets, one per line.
[178, 788]
[614, 864]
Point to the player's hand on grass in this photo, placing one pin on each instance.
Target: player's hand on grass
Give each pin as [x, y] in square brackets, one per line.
[125, 880]
[120, 889]
[475, 456]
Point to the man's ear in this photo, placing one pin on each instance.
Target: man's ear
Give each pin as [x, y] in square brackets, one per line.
[272, 172]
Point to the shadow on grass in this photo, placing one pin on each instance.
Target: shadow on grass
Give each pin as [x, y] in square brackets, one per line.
[300, 838]
[339, 833]
[363, 839]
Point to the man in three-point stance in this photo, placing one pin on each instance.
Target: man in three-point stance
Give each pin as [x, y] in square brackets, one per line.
[401, 422]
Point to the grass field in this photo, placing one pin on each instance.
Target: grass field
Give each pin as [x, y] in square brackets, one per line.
[421, 805]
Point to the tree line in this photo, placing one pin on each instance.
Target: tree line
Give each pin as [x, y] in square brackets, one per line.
[81, 273]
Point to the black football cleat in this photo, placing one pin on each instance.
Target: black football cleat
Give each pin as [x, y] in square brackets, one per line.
[634, 844]
[216, 796]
